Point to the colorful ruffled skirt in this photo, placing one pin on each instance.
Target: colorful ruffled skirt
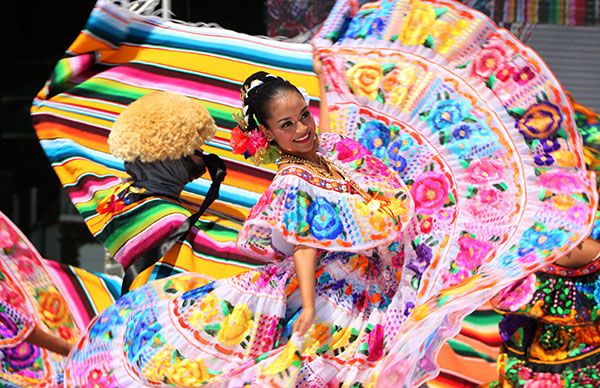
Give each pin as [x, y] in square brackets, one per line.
[237, 331]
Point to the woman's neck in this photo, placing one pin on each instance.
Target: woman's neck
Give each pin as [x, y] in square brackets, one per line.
[312, 157]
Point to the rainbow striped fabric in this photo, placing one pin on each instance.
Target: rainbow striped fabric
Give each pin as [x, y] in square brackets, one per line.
[120, 56]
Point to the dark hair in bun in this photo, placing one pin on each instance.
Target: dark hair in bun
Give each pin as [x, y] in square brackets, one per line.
[258, 92]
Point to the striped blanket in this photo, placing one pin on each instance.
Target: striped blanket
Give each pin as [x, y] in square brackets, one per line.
[120, 56]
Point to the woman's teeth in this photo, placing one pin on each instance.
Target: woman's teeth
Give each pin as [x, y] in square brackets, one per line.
[303, 138]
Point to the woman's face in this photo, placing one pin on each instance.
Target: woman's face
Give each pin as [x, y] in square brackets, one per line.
[291, 125]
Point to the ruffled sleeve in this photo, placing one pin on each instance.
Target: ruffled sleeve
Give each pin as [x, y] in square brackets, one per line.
[301, 208]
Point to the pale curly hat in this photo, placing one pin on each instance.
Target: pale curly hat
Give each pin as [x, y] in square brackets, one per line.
[160, 126]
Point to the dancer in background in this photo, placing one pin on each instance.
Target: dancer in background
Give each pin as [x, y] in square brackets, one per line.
[44, 306]
[551, 329]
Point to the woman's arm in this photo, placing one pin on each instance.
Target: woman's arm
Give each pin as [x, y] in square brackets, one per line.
[305, 259]
[43, 339]
[323, 107]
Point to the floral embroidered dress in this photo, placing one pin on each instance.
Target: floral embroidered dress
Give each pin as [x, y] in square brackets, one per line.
[38, 293]
[236, 331]
[554, 338]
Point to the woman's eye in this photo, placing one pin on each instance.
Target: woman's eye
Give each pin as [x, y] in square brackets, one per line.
[286, 124]
[305, 115]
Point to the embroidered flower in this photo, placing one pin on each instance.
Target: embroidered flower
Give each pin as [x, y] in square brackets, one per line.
[263, 203]
[426, 225]
[324, 221]
[375, 137]
[21, 356]
[543, 159]
[430, 192]
[524, 75]
[375, 166]
[364, 78]
[52, 307]
[423, 259]
[563, 202]
[540, 121]
[504, 74]
[8, 237]
[511, 298]
[375, 342]
[540, 237]
[97, 378]
[349, 150]
[235, 326]
[396, 160]
[187, 373]
[105, 323]
[8, 328]
[550, 145]
[484, 171]
[472, 252]
[145, 328]
[448, 112]
[488, 196]
[461, 148]
[489, 59]
[418, 23]
[561, 181]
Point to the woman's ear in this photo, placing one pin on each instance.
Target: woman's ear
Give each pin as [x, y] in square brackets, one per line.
[266, 132]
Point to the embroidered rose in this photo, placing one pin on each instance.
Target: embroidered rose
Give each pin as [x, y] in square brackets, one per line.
[524, 75]
[505, 74]
[561, 181]
[517, 294]
[540, 121]
[235, 326]
[364, 78]
[21, 356]
[446, 113]
[187, 373]
[488, 60]
[8, 237]
[471, 252]
[375, 342]
[324, 221]
[375, 137]
[104, 324]
[418, 23]
[430, 192]
[349, 150]
[98, 378]
[8, 328]
[484, 171]
[541, 238]
[52, 307]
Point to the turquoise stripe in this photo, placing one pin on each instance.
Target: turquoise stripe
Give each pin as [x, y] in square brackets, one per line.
[59, 150]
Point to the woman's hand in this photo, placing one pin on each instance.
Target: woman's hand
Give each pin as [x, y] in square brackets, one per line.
[317, 64]
[304, 321]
